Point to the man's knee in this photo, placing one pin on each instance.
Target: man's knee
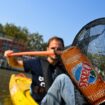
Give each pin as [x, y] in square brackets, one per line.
[63, 76]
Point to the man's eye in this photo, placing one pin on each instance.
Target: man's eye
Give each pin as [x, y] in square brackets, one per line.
[53, 48]
[56, 48]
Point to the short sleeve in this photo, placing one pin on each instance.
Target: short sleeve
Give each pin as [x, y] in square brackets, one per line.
[30, 64]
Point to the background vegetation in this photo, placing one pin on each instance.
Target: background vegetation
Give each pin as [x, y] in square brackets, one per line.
[33, 41]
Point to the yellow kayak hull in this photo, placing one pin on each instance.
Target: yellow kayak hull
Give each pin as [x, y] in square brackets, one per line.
[19, 87]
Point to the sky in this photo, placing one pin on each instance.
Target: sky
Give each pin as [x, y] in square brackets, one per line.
[63, 18]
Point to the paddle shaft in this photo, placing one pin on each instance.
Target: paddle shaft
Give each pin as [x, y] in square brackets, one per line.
[36, 53]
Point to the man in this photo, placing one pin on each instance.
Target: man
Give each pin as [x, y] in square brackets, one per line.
[50, 85]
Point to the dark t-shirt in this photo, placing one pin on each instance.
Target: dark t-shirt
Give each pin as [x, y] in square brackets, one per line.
[36, 66]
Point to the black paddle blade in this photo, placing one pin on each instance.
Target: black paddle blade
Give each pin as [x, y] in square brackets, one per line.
[91, 40]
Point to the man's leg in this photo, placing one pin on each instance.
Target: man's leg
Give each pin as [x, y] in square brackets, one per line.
[62, 87]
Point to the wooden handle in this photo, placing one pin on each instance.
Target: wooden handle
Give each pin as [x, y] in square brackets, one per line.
[35, 53]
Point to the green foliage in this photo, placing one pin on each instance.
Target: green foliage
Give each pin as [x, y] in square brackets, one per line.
[18, 33]
[34, 41]
[1, 30]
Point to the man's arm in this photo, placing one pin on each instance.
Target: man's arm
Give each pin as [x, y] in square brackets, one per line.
[12, 61]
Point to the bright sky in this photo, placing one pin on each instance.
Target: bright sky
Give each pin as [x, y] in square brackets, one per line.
[63, 18]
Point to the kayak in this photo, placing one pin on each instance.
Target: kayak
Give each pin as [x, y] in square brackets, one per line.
[19, 87]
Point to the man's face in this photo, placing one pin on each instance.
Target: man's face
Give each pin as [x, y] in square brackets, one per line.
[55, 45]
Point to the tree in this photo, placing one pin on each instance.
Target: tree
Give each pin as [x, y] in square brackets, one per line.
[35, 42]
[18, 33]
[1, 30]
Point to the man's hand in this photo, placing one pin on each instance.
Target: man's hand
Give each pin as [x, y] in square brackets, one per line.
[12, 61]
[7, 53]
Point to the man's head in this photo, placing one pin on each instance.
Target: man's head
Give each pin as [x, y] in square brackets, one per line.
[57, 39]
[55, 43]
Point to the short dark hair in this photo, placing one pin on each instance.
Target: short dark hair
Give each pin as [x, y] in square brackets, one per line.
[55, 38]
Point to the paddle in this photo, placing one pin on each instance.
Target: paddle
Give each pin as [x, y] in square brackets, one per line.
[90, 40]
